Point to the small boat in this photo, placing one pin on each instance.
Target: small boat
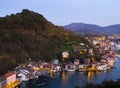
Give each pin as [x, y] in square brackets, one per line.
[71, 70]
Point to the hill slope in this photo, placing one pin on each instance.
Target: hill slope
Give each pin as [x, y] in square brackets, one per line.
[29, 35]
[93, 29]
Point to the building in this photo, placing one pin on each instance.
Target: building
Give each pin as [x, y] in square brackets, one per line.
[56, 61]
[76, 62]
[86, 61]
[65, 54]
[78, 48]
[2, 82]
[90, 51]
[23, 75]
[10, 77]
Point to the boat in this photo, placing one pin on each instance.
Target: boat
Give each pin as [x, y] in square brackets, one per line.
[71, 70]
[118, 56]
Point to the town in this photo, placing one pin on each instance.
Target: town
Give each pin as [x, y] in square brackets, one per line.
[35, 69]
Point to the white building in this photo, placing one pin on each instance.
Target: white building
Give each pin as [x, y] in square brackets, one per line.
[10, 77]
[76, 62]
[65, 54]
[23, 75]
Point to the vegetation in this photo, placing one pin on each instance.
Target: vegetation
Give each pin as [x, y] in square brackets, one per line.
[104, 84]
[29, 35]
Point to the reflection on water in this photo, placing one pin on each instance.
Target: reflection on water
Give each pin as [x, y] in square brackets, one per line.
[64, 79]
[72, 79]
[90, 74]
[63, 75]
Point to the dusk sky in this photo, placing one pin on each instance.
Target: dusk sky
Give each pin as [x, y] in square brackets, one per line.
[63, 12]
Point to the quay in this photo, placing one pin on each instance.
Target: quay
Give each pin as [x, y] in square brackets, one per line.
[36, 69]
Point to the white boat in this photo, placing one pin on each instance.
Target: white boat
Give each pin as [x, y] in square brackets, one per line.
[70, 70]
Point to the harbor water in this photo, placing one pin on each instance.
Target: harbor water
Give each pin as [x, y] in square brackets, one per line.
[72, 79]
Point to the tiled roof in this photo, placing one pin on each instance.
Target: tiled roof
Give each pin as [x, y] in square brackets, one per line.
[8, 74]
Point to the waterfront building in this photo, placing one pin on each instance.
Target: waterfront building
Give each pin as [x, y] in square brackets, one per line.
[110, 61]
[70, 67]
[23, 75]
[76, 62]
[102, 66]
[87, 61]
[10, 77]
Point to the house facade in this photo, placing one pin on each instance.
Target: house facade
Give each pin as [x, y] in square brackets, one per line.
[10, 77]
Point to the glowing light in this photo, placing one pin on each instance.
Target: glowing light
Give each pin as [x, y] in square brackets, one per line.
[65, 54]
[63, 76]
[89, 76]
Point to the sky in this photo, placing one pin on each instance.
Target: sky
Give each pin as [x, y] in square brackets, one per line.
[64, 12]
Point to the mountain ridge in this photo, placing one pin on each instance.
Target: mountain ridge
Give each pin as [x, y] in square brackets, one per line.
[79, 27]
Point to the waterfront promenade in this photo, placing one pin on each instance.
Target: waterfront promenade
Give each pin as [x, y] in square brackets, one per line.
[13, 85]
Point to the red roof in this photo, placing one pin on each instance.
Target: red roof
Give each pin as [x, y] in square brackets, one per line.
[8, 74]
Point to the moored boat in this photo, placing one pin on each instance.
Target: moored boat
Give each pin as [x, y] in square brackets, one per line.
[71, 70]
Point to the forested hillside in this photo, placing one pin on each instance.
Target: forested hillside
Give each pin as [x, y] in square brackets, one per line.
[29, 35]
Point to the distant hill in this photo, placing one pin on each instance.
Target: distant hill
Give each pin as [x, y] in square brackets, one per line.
[92, 29]
[29, 35]
[112, 29]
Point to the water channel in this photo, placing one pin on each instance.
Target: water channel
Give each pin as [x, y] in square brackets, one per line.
[72, 79]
